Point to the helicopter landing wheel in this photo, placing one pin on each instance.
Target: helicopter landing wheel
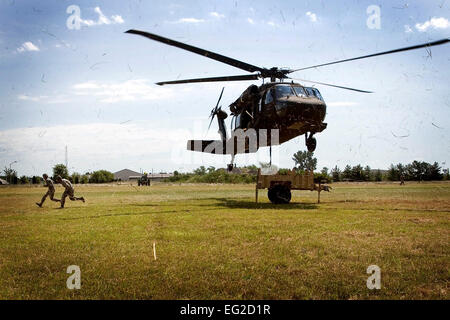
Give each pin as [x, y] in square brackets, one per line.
[231, 165]
[311, 144]
[279, 194]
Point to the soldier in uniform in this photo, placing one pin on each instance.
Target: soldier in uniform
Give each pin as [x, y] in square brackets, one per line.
[69, 191]
[50, 192]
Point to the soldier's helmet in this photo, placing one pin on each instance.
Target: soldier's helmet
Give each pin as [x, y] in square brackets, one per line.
[45, 176]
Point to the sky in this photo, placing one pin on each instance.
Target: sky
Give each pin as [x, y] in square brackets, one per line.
[92, 88]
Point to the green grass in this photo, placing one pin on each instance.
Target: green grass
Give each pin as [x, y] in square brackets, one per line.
[214, 242]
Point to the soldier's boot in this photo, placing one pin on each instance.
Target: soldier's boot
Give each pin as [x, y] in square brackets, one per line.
[39, 204]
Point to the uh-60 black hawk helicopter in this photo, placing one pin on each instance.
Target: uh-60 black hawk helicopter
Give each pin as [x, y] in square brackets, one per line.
[288, 107]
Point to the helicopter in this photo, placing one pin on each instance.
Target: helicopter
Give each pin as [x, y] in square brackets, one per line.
[280, 109]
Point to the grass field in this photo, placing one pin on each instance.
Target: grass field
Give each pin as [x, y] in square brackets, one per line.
[214, 242]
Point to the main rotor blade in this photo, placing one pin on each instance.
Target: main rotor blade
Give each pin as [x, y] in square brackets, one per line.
[220, 97]
[213, 79]
[332, 85]
[202, 52]
[428, 44]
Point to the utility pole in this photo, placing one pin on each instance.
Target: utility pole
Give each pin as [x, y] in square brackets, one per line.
[67, 160]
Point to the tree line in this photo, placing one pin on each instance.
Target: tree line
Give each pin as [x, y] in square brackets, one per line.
[202, 174]
[414, 171]
[99, 176]
[304, 161]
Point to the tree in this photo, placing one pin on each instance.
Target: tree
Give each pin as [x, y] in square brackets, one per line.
[367, 174]
[101, 176]
[336, 174]
[36, 180]
[446, 175]
[24, 180]
[416, 170]
[75, 177]
[11, 175]
[322, 176]
[434, 172]
[347, 173]
[392, 174]
[401, 170]
[61, 170]
[304, 160]
[357, 172]
[84, 179]
[378, 175]
[252, 168]
[200, 171]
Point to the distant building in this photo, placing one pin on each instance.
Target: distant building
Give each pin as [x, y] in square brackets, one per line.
[2, 181]
[159, 176]
[125, 174]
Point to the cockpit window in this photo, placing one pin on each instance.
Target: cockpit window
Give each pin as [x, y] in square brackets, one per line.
[310, 92]
[317, 94]
[269, 97]
[284, 91]
[300, 91]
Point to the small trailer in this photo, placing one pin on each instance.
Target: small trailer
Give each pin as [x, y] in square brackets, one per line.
[280, 185]
[144, 180]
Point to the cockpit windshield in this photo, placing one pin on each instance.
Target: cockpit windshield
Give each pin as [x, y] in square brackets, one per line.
[284, 91]
[300, 91]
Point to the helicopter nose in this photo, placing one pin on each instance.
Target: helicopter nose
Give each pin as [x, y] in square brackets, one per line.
[321, 112]
[310, 112]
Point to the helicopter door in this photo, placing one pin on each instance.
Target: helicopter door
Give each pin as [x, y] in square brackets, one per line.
[239, 123]
[269, 100]
[236, 122]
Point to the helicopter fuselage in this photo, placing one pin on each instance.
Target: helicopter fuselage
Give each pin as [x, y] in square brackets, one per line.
[289, 107]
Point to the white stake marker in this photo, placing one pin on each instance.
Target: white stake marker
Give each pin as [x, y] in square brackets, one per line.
[154, 250]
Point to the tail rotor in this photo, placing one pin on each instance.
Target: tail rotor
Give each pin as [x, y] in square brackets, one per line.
[216, 109]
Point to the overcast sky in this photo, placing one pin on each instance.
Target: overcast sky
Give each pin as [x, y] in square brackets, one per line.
[93, 89]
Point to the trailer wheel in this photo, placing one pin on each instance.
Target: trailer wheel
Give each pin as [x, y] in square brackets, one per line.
[279, 194]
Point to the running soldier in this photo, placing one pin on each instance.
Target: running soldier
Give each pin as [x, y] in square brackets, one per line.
[68, 191]
[50, 192]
